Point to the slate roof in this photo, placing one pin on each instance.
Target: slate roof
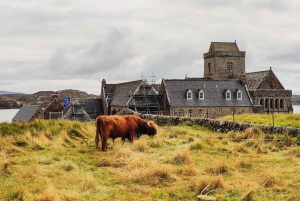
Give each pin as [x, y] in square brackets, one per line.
[223, 46]
[213, 93]
[254, 79]
[25, 113]
[92, 106]
[122, 92]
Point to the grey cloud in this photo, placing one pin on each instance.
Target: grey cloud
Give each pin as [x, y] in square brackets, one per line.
[104, 55]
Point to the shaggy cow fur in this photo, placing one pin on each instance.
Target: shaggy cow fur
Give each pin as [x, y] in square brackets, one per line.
[127, 127]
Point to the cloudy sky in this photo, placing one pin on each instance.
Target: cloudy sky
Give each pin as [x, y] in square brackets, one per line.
[55, 44]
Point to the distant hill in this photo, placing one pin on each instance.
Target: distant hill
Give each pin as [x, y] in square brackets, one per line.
[8, 92]
[296, 96]
[296, 99]
[13, 100]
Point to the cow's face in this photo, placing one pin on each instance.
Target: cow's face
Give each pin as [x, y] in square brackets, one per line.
[151, 128]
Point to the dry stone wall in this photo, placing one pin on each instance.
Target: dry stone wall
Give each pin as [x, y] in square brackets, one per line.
[214, 124]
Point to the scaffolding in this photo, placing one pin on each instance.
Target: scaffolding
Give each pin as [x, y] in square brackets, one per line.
[152, 78]
[146, 101]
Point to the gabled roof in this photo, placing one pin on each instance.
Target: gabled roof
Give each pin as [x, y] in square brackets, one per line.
[223, 46]
[93, 106]
[254, 79]
[262, 80]
[26, 112]
[213, 93]
[123, 91]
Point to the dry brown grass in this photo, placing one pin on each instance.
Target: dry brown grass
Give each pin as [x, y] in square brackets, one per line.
[208, 185]
[182, 157]
[52, 161]
[217, 168]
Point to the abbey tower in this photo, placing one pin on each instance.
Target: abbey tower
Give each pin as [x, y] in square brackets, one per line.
[224, 61]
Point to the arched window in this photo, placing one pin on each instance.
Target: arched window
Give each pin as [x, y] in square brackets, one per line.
[267, 103]
[282, 103]
[272, 103]
[276, 103]
[261, 101]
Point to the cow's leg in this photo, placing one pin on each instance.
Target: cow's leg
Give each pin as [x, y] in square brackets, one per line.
[97, 135]
[131, 137]
[104, 139]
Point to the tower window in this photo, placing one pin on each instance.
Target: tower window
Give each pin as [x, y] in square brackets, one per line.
[229, 65]
[209, 67]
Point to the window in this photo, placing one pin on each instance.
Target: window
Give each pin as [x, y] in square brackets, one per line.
[220, 111]
[191, 113]
[239, 94]
[201, 94]
[229, 65]
[208, 67]
[181, 113]
[261, 101]
[200, 112]
[189, 94]
[227, 94]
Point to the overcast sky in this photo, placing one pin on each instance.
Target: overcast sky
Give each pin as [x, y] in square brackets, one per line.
[68, 44]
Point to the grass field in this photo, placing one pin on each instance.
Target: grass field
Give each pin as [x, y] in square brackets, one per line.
[57, 160]
[292, 120]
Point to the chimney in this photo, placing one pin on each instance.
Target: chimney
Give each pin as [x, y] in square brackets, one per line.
[53, 96]
[103, 84]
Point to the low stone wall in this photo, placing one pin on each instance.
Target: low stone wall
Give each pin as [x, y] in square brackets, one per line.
[219, 125]
[214, 124]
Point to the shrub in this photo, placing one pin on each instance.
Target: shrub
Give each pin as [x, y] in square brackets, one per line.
[139, 145]
[206, 185]
[182, 157]
[197, 146]
[218, 168]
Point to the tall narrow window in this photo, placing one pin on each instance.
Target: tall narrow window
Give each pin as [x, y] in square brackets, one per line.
[191, 113]
[229, 65]
[208, 67]
[181, 113]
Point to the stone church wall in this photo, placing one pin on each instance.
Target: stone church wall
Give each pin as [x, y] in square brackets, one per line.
[218, 69]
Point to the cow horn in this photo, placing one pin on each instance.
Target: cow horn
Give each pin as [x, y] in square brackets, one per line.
[148, 123]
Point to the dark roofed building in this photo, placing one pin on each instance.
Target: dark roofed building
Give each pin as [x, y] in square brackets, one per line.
[28, 113]
[54, 109]
[138, 95]
[202, 98]
[75, 112]
[93, 107]
[267, 92]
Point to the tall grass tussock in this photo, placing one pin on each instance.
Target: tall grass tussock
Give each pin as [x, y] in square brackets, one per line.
[57, 160]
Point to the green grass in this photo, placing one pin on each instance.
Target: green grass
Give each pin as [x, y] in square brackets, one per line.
[57, 160]
[292, 120]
